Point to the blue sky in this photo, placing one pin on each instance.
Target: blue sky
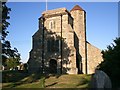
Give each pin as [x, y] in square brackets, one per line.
[101, 24]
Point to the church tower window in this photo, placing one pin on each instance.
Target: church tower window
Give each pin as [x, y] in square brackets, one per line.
[52, 25]
[53, 45]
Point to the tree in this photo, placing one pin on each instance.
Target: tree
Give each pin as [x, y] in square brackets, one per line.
[111, 63]
[5, 17]
[9, 55]
[12, 63]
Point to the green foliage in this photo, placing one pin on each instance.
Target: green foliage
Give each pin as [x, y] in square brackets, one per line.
[13, 58]
[5, 17]
[10, 57]
[12, 62]
[111, 63]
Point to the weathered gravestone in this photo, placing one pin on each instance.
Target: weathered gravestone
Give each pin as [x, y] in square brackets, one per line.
[100, 80]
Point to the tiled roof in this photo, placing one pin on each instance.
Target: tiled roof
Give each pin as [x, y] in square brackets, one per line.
[77, 7]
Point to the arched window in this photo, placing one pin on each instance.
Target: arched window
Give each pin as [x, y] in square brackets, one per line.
[53, 45]
[52, 25]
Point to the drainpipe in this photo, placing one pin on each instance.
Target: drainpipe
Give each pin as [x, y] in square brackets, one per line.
[86, 69]
[61, 44]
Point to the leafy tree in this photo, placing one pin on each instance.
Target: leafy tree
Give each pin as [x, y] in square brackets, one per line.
[9, 55]
[5, 17]
[111, 63]
[12, 63]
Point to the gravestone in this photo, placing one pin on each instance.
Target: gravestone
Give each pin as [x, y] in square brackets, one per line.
[100, 80]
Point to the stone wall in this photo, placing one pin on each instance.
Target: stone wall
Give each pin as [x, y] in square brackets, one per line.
[80, 31]
[94, 57]
[52, 33]
[76, 55]
[64, 32]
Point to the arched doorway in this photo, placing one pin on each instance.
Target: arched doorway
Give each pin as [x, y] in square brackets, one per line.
[53, 66]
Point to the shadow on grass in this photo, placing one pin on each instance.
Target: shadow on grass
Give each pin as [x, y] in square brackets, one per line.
[16, 78]
[52, 75]
[51, 84]
[82, 82]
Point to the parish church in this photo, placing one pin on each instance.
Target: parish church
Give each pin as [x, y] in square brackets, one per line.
[60, 46]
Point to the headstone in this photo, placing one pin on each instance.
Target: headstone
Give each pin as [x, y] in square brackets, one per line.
[100, 80]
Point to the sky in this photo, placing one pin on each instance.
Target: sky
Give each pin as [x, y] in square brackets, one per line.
[119, 19]
[101, 22]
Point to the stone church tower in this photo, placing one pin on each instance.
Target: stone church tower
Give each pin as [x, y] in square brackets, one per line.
[60, 45]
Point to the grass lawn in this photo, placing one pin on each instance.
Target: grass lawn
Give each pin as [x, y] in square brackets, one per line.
[50, 81]
[68, 81]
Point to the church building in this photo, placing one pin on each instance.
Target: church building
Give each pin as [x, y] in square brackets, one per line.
[60, 45]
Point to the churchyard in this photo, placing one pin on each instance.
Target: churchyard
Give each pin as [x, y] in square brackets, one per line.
[12, 79]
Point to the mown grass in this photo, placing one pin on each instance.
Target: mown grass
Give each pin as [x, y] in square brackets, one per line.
[22, 80]
[68, 81]
[50, 81]
[38, 84]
